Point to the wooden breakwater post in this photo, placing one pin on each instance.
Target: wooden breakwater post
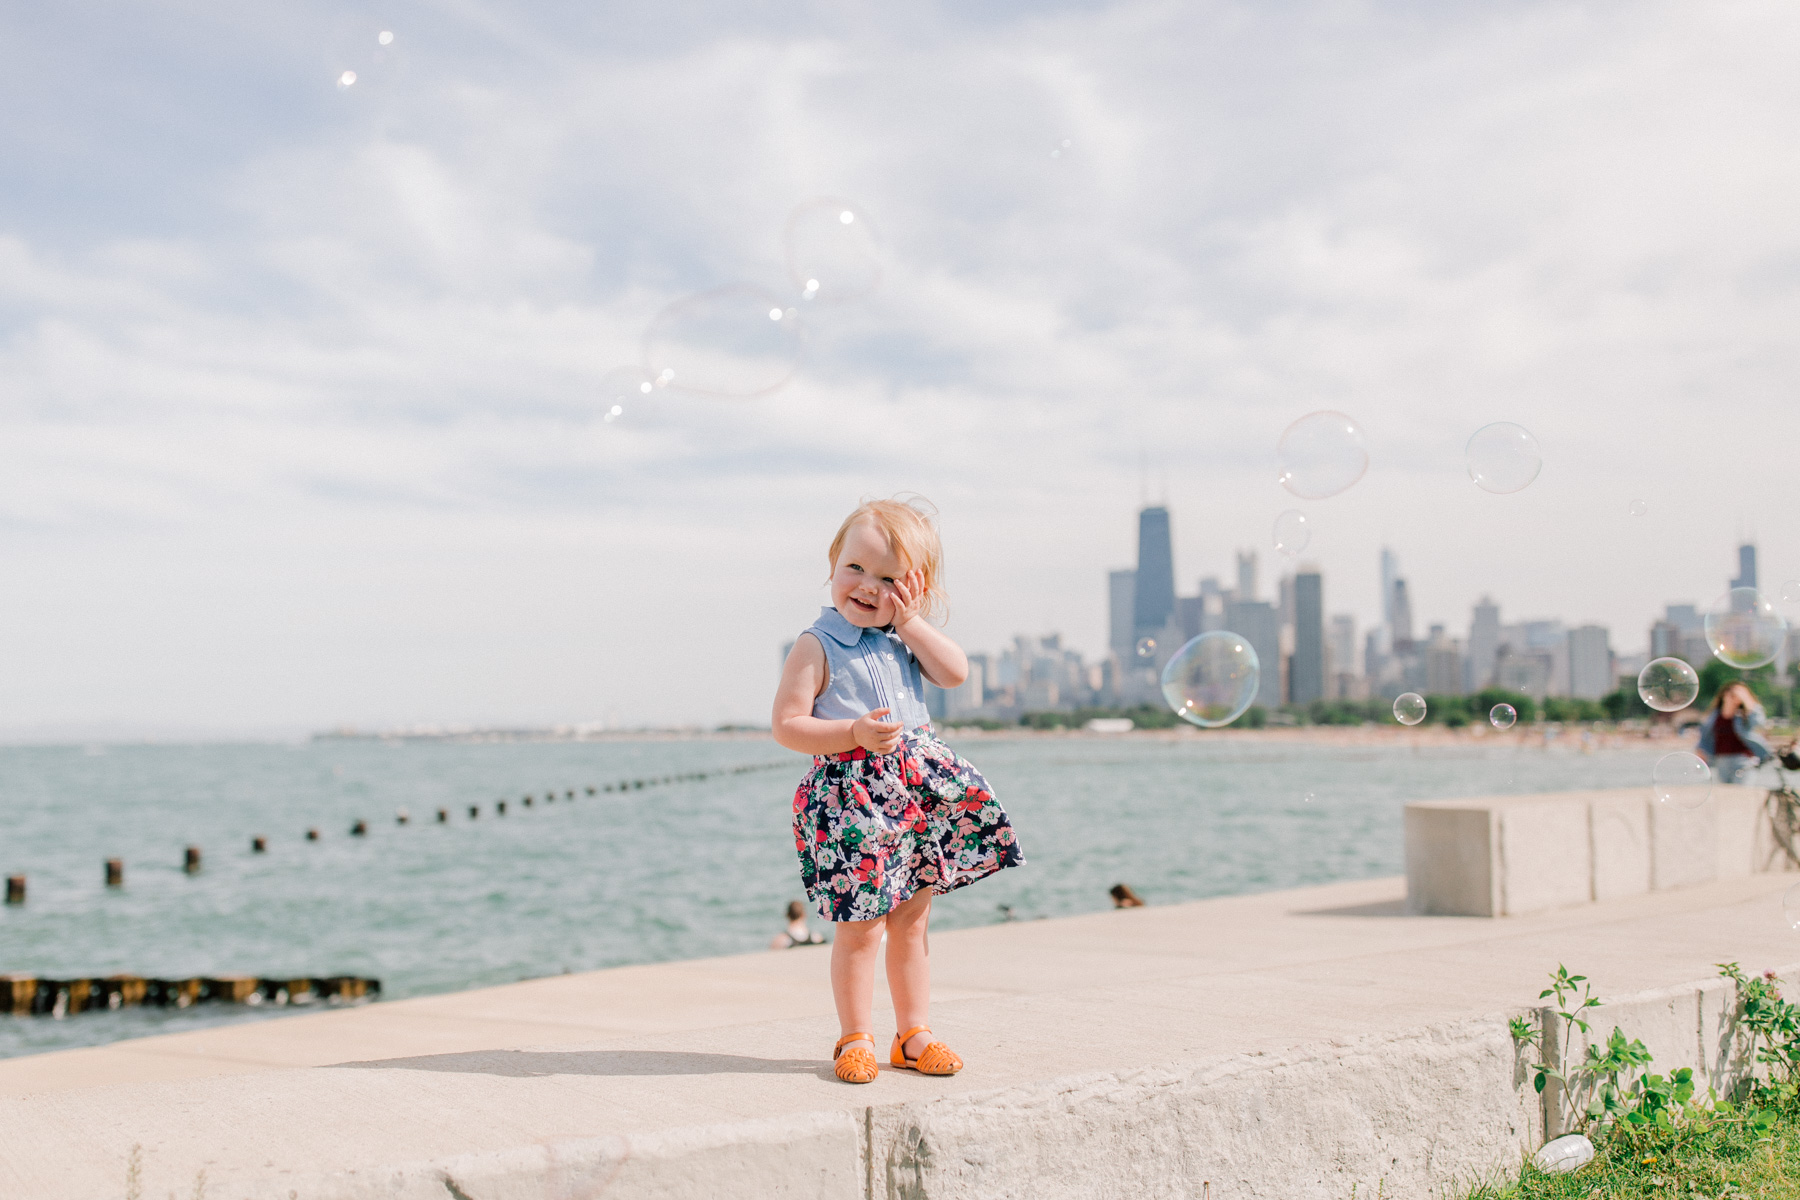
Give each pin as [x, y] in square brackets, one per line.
[474, 811]
[312, 835]
[259, 845]
[443, 817]
[26, 995]
[360, 829]
[15, 889]
[500, 807]
[401, 816]
[191, 860]
[115, 873]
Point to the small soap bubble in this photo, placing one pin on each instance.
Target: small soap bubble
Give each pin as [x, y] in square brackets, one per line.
[346, 79]
[832, 252]
[1790, 591]
[385, 37]
[1637, 508]
[1061, 148]
[1743, 629]
[1212, 679]
[1503, 457]
[1503, 716]
[1292, 532]
[1320, 455]
[1309, 797]
[1790, 906]
[1668, 684]
[735, 340]
[1146, 647]
[621, 386]
[1409, 708]
[1682, 780]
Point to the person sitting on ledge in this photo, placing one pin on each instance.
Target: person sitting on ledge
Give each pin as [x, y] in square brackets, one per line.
[797, 933]
[1124, 897]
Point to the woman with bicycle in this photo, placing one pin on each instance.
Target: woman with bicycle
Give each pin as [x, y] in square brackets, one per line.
[1728, 737]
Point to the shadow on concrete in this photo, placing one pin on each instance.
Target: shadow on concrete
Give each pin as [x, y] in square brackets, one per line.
[527, 1064]
[1381, 908]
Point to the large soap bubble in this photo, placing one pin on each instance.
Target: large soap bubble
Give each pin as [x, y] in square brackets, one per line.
[1503, 716]
[1291, 532]
[1503, 457]
[1212, 679]
[1409, 708]
[832, 254]
[1743, 629]
[1321, 454]
[1682, 779]
[1668, 684]
[736, 340]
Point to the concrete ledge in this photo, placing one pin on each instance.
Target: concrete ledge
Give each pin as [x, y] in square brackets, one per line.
[1496, 856]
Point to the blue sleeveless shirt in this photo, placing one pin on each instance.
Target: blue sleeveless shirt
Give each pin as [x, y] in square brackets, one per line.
[870, 669]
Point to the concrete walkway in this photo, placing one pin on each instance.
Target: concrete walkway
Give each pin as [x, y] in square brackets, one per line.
[1283, 1045]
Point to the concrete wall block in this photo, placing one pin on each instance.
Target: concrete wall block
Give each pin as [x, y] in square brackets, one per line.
[1545, 856]
[1450, 861]
[1683, 845]
[1405, 1115]
[1768, 853]
[1619, 836]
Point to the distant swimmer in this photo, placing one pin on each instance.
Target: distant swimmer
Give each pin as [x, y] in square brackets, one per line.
[1124, 897]
[797, 933]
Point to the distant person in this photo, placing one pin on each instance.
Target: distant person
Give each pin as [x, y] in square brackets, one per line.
[797, 933]
[1728, 738]
[889, 815]
[1124, 897]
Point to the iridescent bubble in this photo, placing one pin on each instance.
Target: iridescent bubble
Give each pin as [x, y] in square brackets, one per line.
[1309, 798]
[1292, 532]
[736, 340]
[1212, 679]
[1682, 779]
[346, 79]
[832, 251]
[1061, 148]
[1790, 906]
[1743, 629]
[1668, 684]
[1503, 716]
[1637, 508]
[1409, 708]
[1321, 454]
[624, 386]
[385, 37]
[1503, 457]
[1146, 647]
[1790, 591]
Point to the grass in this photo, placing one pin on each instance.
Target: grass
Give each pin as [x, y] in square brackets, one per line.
[1730, 1154]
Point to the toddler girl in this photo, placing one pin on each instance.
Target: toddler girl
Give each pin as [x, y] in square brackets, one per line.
[889, 814]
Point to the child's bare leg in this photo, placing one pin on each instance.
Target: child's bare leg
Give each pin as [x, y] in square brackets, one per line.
[853, 976]
[909, 967]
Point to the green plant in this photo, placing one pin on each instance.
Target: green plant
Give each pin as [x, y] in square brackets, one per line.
[1769, 1027]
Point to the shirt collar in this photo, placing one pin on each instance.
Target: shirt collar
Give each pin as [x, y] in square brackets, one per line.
[833, 622]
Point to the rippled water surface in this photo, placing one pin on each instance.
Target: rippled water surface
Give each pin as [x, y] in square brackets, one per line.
[677, 871]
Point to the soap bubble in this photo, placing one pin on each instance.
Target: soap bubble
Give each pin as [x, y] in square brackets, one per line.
[1309, 798]
[1146, 647]
[385, 37]
[832, 252]
[1409, 708]
[1637, 508]
[622, 387]
[346, 79]
[1668, 684]
[1503, 457]
[1321, 454]
[1212, 679]
[1682, 779]
[1790, 906]
[1743, 629]
[725, 342]
[1790, 591]
[1292, 532]
[1061, 148]
[1503, 716]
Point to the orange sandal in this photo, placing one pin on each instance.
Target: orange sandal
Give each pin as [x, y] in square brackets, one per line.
[855, 1065]
[938, 1059]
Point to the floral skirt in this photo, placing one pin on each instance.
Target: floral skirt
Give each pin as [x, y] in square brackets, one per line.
[873, 829]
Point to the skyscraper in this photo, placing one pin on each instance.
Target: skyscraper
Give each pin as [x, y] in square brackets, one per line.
[1256, 622]
[1399, 616]
[1153, 600]
[1121, 597]
[1484, 643]
[1306, 675]
[1246, 574]
[1591, 662]
[1390, 572]
[1746, 566]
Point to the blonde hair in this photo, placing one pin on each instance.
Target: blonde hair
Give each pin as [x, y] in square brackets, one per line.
[908, 521]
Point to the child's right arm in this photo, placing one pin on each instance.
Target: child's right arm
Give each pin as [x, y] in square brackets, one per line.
[794, 726]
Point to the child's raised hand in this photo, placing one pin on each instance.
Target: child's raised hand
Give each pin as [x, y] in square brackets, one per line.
[875, 735]
[909, 596]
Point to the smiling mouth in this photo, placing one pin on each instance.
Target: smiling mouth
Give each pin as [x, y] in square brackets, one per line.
[862, 604]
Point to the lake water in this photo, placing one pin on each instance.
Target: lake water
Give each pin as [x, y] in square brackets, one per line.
[677, 871]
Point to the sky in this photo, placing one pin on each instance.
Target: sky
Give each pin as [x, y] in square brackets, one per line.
[301, 418]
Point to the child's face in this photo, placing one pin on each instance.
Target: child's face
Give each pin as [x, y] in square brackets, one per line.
[862, 583]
